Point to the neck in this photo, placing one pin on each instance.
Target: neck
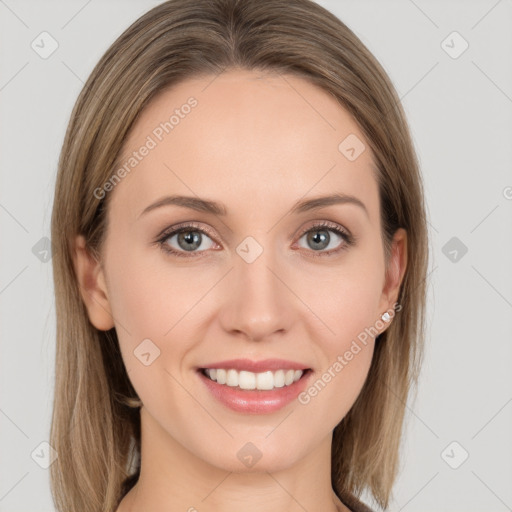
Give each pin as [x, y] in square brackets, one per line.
[172, 478]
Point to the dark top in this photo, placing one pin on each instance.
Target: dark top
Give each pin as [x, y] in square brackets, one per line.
[353, 503]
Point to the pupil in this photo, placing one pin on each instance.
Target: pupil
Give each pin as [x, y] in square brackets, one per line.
[190, 237]
[320, 239]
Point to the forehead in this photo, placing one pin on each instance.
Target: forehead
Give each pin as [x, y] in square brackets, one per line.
[247, 139]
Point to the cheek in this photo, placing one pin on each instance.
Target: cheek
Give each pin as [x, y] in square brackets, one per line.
[152, 312]
[157, 310]
[345, 299]
[345, 350]
[146, 308]
[334, 390]
[347, 305]
[148, 295]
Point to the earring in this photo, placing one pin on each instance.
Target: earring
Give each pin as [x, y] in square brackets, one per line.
[386, 317]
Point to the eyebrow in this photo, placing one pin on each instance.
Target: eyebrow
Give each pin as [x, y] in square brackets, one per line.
[207, 206]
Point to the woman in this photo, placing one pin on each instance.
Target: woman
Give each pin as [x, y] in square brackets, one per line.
[240, 264]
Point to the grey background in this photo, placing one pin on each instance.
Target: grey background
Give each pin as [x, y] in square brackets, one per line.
[460, 112]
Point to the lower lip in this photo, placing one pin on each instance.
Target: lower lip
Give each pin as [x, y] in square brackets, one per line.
[255, 401]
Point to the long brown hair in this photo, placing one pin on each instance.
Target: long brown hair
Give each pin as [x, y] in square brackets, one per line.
[95, 428]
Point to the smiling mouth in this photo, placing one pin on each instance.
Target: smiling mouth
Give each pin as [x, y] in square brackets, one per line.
[245, 380]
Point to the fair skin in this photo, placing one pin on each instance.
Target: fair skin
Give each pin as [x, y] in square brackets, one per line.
[257, 145]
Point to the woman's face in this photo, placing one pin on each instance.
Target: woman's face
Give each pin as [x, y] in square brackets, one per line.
[261, 276]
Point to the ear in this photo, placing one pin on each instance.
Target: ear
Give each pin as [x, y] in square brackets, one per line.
[395, 271]
[91, 281]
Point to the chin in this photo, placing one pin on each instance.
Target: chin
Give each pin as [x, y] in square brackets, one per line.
[255, 454]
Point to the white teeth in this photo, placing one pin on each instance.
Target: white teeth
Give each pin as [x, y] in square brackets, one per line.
[248, 380]
[279, 379]
[221, 376]
[265, 380]
[232, 378]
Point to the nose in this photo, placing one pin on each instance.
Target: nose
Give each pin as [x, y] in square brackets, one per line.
[259, 303]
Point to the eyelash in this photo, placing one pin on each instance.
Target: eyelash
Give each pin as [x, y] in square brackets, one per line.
[348, 239]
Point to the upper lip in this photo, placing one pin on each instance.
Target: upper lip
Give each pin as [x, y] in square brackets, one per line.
[256, 366]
